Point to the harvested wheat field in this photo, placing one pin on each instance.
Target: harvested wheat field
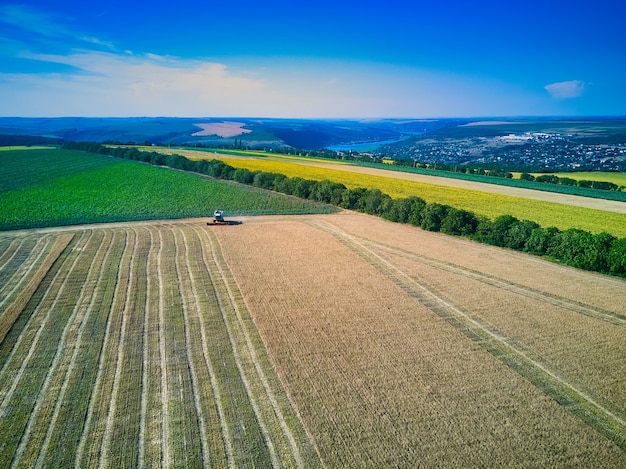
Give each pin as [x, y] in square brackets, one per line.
[303, 341]
[401, 347]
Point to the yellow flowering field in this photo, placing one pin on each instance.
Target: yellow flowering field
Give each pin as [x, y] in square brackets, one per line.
[482, 203]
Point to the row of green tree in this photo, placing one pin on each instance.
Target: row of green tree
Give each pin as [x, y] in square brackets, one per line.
[565, 181]
[496, 171]
[596, 252]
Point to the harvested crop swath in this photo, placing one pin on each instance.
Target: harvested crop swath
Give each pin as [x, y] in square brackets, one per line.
[135, 349]
[385, 369]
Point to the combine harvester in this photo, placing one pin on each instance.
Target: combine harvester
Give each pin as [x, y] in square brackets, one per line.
[218, 219]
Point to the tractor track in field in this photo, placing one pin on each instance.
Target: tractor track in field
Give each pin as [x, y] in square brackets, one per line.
[523, 361]
[555, 300]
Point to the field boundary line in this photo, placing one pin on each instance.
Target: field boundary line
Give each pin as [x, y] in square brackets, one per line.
[7, 396]
[522, 290]
[230, 283]
[583, 404]
[105, 345]
[14, 309]
[226, 431]
[236, 353]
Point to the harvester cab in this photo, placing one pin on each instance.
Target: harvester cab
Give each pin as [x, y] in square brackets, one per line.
[218, 216]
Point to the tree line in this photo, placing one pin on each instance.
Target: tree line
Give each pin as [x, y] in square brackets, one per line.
[600, 252]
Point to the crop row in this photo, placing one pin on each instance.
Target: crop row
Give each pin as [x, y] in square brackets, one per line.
[124, 191]
[136, 350]
[24, 168]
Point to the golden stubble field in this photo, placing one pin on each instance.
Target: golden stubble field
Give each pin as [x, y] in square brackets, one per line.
[303, 341]
[401, 347]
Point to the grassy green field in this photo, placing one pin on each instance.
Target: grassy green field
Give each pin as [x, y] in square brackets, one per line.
[61, 187]
[615, 178]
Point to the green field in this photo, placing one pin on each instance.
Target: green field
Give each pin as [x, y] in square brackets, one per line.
[615, 178]
[61, 187]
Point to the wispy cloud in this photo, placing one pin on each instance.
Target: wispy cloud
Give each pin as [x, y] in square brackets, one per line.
[98, 83]
[566, 89]
[30, 19]
[40, 26]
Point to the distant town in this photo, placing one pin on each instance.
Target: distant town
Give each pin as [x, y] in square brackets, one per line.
[530, 150]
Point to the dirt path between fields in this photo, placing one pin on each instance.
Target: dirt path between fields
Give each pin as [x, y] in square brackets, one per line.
[587, 202]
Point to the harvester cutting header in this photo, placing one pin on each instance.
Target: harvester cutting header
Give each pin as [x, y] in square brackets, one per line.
[218, 219]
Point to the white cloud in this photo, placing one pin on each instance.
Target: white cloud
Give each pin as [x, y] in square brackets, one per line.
[126, 84]
[566, 89]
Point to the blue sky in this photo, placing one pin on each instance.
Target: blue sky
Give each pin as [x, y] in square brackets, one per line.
[324, 59]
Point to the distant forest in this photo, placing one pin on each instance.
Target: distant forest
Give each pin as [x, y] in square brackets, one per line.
[27, 140]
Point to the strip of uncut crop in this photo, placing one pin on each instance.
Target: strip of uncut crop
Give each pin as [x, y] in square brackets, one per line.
[227, 307]
[263, 383]
[289, 447]
[165, 424]
[89, 447]
[549, 381]
[31, 356]
[41, 424]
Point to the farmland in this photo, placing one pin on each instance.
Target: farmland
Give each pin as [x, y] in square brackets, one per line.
[135, 348]
[60, 187]
[490, 201]
[359, 343]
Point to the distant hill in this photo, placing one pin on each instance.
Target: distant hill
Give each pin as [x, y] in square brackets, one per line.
[255, 133]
